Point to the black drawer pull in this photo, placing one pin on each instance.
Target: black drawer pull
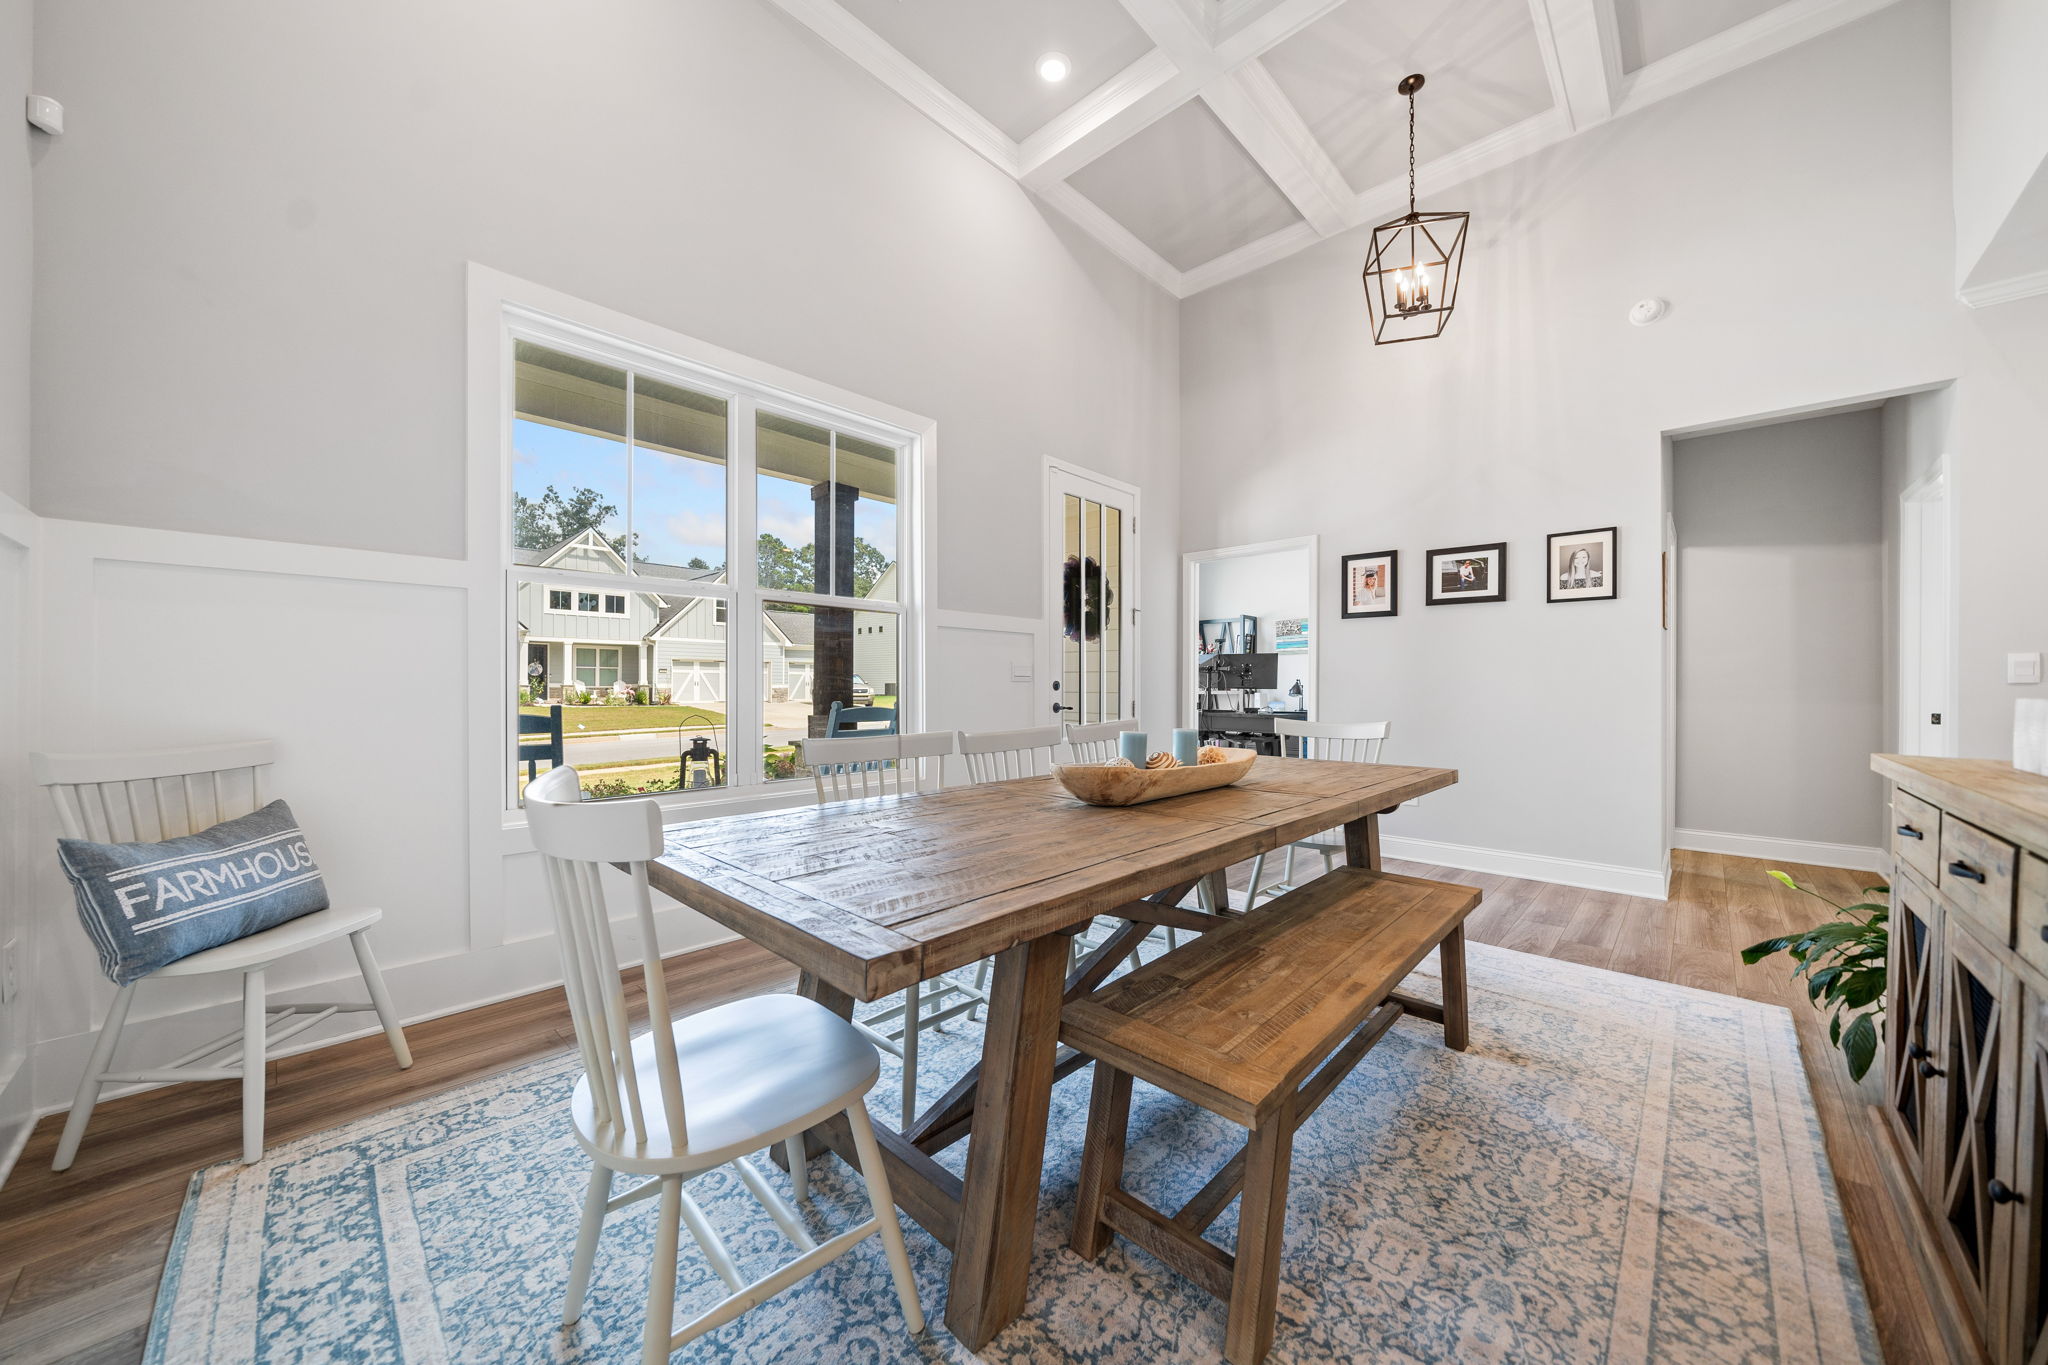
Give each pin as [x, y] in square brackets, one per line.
[1928, 1071]
[2044, 933]
[1959, 868]
[1908, 832]
[1917, 1050]
[2002, 1193]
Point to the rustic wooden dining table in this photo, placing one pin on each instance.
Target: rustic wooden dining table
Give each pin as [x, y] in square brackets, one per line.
[867, 898]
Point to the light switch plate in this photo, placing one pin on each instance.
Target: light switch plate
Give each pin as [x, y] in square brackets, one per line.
[2023, 668]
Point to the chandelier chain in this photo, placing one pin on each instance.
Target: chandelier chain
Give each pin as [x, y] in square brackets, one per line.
[1411, 153]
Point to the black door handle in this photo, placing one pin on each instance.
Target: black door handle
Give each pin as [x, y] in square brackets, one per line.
[2002, 1193]
[1928, 1071]
[1959, 868]
[1909, 832]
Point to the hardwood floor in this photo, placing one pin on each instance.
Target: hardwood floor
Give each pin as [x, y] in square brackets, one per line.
[80, 1252]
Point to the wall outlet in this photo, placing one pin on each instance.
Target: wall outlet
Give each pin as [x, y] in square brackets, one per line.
[2023, 668]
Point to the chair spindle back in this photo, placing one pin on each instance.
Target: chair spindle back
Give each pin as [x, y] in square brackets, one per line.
[856, 766]
[999, 755]
[1340, 741]
[1096, 743]
[148, 796]
[575, 840]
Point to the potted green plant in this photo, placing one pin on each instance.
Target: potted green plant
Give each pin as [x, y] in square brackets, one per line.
[1843, 961]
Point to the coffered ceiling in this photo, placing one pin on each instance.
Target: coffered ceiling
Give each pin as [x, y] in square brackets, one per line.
[1202, 139]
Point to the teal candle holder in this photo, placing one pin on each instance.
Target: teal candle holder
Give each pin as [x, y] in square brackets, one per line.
[1131, 744]
[1187, 746]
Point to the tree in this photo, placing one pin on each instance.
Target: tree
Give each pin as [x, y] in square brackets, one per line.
[545, 522]
[795, 569]
[696, 562]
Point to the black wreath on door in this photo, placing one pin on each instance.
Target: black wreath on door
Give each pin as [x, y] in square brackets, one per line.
[1085, 596]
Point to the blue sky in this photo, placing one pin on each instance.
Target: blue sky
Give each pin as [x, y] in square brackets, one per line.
[681, 501]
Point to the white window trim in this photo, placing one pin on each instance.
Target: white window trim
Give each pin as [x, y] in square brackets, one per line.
[558, 319]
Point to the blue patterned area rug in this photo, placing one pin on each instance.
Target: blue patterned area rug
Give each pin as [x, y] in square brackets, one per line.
[1619, 1170]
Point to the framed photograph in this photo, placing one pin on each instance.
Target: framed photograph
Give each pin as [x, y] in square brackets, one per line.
[1582, 565]
[1216, 637]
[1466, 573]
[1246, 640]
[1371, 584]
[1290, 634]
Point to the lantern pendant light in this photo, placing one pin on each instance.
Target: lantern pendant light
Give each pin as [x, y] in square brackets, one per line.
[1411, 270]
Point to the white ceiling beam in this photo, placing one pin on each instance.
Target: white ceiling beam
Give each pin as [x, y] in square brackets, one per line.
[1581, 45]
[1269, 28]
[1114, 235]
[1269, 127]
[873, 54]
[1120, 108]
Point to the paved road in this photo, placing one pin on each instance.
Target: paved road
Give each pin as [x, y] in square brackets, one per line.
[787, 721]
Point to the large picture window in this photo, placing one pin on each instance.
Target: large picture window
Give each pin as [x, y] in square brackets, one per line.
[703, 573]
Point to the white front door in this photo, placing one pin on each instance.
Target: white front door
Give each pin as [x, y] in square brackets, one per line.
[1091, 596]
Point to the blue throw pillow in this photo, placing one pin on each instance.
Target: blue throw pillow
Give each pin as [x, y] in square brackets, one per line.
[147, 905]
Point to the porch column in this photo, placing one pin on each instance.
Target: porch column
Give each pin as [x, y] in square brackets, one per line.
[832, 572]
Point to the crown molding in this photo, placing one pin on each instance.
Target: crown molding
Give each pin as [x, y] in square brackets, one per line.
[873, 54]
[1994, 292]
[1768, 34]
[1274, 246]
[1119, 239]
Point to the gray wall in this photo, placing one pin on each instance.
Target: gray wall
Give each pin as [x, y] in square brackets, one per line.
[17, 142]
[1541, 409]
[1780, 621]
[251, 252]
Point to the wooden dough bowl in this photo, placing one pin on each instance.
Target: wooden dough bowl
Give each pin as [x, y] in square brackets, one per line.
[1101, 785]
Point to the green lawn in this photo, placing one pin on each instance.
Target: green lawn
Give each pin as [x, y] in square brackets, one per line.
[585, 719]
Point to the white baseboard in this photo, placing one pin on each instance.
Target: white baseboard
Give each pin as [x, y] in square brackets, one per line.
[15, 1099]
[1648, 882]
[1812, 852]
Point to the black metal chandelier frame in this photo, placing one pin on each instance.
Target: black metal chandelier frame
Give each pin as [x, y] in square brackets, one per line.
[1413, 264]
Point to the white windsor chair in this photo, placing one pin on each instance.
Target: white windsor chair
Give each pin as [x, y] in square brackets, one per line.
[854, 768]
[153, 795]
[1337, 741]
[762, 1071]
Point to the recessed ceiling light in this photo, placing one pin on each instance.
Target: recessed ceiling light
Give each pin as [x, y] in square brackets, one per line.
[1054, 66]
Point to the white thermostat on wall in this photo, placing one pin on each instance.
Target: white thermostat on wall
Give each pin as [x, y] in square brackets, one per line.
[46, 114]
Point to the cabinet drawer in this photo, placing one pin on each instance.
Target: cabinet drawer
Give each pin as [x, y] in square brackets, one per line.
[2033, 926]
[1978, 875]
[1916, 833]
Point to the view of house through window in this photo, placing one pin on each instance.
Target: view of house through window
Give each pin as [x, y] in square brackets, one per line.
[626, 475]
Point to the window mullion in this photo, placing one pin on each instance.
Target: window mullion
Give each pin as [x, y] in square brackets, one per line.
[745, 697]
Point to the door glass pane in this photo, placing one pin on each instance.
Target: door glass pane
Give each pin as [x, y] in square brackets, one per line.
[794, 469]
[1070, 617]
[1091, 612]
[678, 513]
[871, 470]
[568, 461]
[1112, 612]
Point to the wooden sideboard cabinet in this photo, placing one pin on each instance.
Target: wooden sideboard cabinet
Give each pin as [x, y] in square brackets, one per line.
[1966, 1043]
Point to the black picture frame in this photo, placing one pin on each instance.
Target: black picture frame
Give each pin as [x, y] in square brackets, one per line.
[1609, 570]
[1393, 593]
[1497, 591]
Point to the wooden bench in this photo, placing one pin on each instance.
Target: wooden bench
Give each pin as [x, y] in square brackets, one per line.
[1257, 1021]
